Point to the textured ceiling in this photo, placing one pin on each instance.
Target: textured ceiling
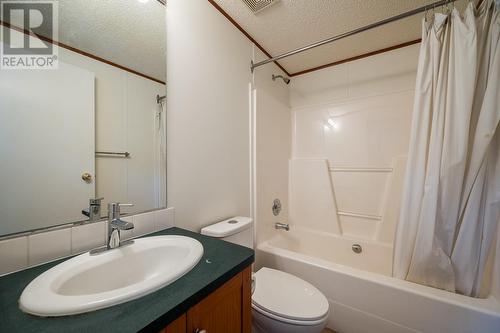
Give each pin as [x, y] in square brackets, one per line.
[290, 24]
[127, 32]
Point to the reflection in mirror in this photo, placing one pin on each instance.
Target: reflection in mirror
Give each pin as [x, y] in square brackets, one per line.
[90, 127]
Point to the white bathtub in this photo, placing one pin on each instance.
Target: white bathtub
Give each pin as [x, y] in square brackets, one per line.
[362, 295]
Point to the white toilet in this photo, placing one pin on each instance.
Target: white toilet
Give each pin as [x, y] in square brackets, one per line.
[281, 302]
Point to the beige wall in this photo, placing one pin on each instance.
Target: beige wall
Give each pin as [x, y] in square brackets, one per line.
[208, 124]
[212, 118]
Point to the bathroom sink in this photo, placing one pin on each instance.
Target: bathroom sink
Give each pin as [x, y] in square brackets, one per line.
[94, 281]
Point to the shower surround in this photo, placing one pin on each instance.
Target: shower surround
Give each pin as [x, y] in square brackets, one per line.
[350, 127]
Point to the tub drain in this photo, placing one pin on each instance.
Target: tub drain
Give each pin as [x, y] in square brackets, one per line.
[357, 248]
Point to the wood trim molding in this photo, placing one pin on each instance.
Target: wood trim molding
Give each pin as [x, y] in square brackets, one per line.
[361, 56]
[369, 54]
[81, 52]
[230, 19]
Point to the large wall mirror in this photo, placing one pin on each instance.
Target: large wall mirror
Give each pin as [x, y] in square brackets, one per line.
[93, 127]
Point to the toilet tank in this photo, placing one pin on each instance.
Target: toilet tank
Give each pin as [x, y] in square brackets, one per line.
[238, 230]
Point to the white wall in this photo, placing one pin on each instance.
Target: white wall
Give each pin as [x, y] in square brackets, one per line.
[228, 131]
[273, 144]
[351, 123]
[208, 118]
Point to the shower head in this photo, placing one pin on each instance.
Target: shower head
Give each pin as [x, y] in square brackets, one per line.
[285, 79]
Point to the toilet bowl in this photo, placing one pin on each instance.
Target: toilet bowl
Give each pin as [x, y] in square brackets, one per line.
[281, 302]
[284, 303]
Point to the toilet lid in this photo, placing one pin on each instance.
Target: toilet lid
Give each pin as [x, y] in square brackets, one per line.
[287, 296]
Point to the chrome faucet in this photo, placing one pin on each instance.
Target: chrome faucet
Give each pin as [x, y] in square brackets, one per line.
[115, 224]
[94, 210]
[284, 226]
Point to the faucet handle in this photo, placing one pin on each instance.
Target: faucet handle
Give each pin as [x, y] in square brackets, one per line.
[95, 201]
[114, 208]
[118, 204]
[123, 205]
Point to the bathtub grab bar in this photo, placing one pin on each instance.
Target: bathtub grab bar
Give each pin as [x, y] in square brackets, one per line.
[349, 169]
[364, 216]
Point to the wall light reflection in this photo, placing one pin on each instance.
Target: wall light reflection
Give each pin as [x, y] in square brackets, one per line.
[332, 124]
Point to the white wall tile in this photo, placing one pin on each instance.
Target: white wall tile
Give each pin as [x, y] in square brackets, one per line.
[312, 200]
[358, 227]
[357, 115]
[368, 132]
[144, 224]
[308, 136]
[164, 218]
[21, 252]
[13, 254]
[127, 234]
[384, 73]
[320, 87]
[87, 237]
[360, 192]
[47, 246]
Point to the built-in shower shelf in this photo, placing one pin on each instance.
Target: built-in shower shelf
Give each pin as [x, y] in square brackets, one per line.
[363, 216]
[353, 169]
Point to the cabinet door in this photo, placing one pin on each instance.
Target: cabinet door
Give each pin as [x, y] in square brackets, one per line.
[246, 302]
[219, 312]
[177, 326]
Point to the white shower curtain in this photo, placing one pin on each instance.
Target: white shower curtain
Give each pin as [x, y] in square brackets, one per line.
[451, 200]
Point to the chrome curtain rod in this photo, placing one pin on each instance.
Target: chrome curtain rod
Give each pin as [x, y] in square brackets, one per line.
[353, 32]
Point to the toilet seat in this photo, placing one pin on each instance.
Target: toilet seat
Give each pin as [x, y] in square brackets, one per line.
[287, 298]
[287, 320]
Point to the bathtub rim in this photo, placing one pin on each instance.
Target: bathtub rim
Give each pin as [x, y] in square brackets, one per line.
[290, 321]
[489, 305]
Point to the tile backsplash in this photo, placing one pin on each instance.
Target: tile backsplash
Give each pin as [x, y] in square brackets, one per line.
[26, 251]
[47, 246]
[13, 254]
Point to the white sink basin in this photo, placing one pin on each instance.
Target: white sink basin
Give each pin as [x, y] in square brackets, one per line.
[90, 282]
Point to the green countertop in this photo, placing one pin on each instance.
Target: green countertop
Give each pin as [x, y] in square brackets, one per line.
[221, 261]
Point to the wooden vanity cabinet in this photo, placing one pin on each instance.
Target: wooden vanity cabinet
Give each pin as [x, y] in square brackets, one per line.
[226, 310]
[177, 326]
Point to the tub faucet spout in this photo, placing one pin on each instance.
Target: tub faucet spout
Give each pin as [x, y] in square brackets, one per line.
[284, 226]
